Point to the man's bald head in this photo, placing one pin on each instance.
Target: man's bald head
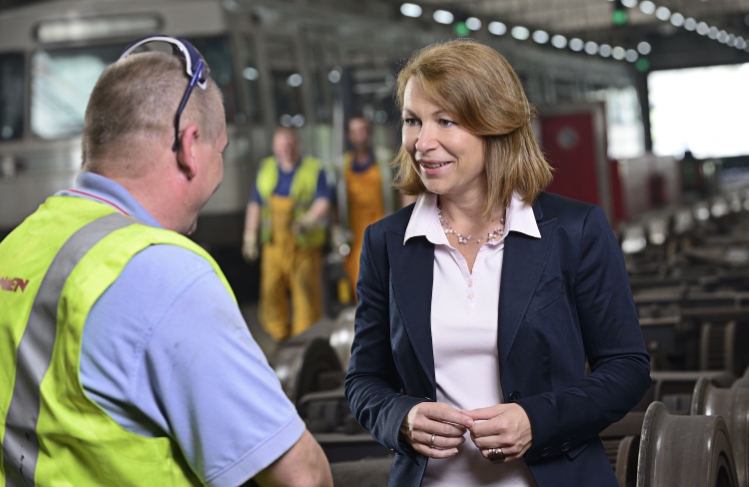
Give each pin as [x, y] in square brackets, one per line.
[132, 109]
[286, 146]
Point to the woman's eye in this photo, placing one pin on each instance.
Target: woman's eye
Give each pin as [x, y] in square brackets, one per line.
[411, 122]
[446, 123]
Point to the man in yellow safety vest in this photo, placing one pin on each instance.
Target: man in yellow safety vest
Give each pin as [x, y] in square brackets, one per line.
[289, 206]
[124, 359]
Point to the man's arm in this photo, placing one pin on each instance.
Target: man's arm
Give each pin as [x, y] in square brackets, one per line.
[251, 223]
[252, 218]
[319, 210]
[303, 465]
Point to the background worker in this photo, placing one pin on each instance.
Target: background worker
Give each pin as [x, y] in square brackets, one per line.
[289, 206]
[365, 189]
[155, 378]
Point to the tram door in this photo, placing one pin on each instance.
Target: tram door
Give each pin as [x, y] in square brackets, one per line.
[573, 139]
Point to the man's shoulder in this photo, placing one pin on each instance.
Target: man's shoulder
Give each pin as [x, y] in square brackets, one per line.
[165, 266]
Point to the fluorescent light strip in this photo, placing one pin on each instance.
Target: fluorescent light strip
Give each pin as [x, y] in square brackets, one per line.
[522, 33]
[692, 25]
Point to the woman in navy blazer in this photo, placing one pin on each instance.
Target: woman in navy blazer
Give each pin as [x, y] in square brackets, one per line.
[564, 296]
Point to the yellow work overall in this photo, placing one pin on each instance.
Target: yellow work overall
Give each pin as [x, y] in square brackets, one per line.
[365, 206]
[286, 268]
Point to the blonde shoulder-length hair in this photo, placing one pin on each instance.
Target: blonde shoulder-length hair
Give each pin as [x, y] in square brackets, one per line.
[477, 86]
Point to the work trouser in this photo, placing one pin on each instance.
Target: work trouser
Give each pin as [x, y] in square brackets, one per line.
[365, 206]
[286, 269]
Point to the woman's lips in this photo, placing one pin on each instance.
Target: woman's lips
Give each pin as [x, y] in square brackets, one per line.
[433, 167]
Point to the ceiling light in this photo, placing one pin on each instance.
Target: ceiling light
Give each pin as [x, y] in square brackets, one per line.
[631, 55]
[690, 24]
[629, 3]
[558, 41]
[411, 10]
[604, 50]
[250, 73]
[541, 36]
[576, 44]
[618, 53]
[443, 17]
[297, 120]
[647, 7]
[702, 28]
[520, 33]
[740, 43]
[591, 47]
[80, 29]
[644, 48]
[295, 80]
[497, 28]
[473, 23]
[677, 19]
[713, 33]
[663, 13]
[722, 37]
[334, 76]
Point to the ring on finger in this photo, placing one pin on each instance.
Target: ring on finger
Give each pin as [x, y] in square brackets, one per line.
[496, 455]
[431, 441]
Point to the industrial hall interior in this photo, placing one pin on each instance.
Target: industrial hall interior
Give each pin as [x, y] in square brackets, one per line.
[261, 243]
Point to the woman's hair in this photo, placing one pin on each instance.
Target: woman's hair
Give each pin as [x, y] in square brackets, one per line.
[477, 86]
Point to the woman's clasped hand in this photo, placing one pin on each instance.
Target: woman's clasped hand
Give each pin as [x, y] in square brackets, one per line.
[436, 430]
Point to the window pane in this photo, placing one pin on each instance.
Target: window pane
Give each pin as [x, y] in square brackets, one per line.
[287, 94]
[11, 96]
[217, 53]
[62, 81]
[251, 74]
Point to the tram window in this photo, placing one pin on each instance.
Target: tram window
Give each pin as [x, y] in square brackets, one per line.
[217, 53]
[287, 94]
[11, 96]
[251, 74]
[61, 83]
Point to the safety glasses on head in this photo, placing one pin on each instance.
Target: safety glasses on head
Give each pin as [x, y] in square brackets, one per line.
[196, 68]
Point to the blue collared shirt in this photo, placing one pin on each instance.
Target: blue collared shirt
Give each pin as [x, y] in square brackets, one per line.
[165, 352]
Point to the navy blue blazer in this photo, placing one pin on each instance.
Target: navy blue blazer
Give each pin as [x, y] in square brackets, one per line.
[564, 297]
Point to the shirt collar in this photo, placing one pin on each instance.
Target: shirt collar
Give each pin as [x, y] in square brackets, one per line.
[424, 221]
[104, 190]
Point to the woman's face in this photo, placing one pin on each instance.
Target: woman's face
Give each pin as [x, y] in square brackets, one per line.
[449, 159]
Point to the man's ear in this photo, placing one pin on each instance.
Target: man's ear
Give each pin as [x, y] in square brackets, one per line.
[187, 152]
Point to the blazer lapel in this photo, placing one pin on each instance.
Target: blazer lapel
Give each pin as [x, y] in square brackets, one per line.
[411, 276]
[523, 262]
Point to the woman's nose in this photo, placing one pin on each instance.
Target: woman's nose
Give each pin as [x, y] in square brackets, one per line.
[426, 139]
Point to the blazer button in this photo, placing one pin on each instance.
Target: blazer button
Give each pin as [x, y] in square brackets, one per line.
[514, 397]
[545, 452]
[566, 446]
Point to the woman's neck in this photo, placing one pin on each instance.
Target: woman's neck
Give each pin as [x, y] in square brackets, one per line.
[467, 211]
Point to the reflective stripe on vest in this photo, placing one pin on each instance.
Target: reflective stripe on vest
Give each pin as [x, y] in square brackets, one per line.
[20, 445]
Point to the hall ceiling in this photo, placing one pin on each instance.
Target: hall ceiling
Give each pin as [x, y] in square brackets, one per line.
[580, 16]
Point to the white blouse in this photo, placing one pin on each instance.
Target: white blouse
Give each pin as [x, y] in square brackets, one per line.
[464, 340]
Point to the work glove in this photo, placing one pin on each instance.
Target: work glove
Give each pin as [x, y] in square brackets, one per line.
[249, 247]
[304, 224]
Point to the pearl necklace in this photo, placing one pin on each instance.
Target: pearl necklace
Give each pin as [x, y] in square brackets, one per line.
[497, 232]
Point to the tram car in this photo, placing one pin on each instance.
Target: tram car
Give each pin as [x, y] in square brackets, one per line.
[311, 65]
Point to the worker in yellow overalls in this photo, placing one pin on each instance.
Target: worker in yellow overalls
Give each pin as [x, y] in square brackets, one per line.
[289, 206]
[365, 191]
